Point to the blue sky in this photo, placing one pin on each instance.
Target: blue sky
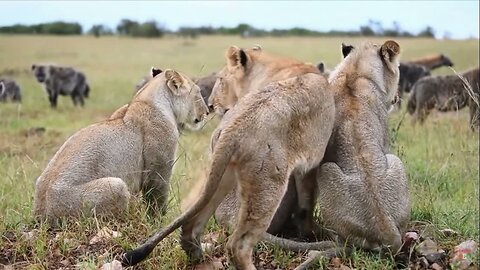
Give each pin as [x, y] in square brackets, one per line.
[459, 19]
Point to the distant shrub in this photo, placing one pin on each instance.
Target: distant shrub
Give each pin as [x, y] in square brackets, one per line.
[98, 30]
[147, 29]
[53, 28]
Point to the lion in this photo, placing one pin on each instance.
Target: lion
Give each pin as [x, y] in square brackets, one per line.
[59, 80]
[269, 133]
[363, 190]
[247, 70]
[98, 167]
[445, 93]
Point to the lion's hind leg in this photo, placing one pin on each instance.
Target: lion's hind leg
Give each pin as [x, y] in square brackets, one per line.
[107, 196]
[341, 199]
[260, 196]
[395, 192]
[191, 231]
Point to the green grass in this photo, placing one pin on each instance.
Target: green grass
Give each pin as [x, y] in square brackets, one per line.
[441, 158]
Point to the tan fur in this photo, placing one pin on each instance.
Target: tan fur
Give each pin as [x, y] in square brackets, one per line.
[237, 80]
[297, 113]
[98, 167]
[363, 190]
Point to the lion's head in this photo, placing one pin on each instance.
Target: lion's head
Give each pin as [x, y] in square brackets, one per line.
[372, 64]
[247, 70]
[183, 94]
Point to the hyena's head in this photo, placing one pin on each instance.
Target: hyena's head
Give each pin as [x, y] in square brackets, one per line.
[446, 61]
[41, 72]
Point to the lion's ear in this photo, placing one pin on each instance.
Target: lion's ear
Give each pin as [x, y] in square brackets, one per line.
[321, 67]
[2, 88]
[174, 82]
[346, 49]
[33, 66]
[389, 52]
[155, 71]
[236, 57]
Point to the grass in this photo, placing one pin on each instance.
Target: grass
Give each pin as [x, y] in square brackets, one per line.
[441, 157]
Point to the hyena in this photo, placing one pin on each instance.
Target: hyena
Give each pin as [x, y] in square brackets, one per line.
[446, 93]
[59, 80]
[432, 62]
[10, 91]
[409, 74]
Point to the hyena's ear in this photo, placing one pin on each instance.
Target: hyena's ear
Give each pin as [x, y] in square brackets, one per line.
[236, 57]
[389, 52]
[346, 49]
[321, 67]
[155, 71]
[175, 82]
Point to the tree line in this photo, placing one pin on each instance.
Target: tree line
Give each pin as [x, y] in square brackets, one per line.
[127, 27]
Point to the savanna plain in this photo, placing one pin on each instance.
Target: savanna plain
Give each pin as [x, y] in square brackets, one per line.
[441, 157]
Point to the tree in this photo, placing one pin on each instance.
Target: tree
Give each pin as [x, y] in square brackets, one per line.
[427, 32]
[98, 30]
[367, 31]
[126, 26]
[61, 28]
[147, 29]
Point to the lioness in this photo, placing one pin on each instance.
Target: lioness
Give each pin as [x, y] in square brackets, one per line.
[363, 190]
[270, 132]
[99, 166]
[248, 70]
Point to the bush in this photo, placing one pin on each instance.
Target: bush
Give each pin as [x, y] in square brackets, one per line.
[53, 28]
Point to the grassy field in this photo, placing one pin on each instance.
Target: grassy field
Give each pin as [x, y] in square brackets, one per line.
[441, 158]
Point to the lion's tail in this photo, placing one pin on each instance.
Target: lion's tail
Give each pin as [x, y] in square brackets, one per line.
[222, 154]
